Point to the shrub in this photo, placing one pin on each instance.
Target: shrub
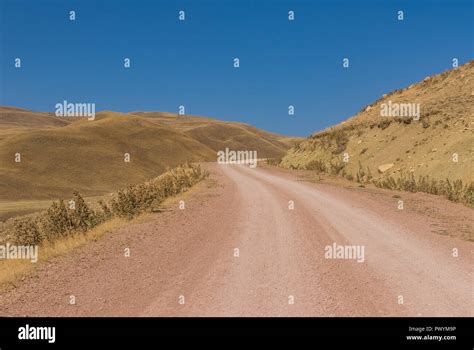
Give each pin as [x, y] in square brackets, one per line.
[384, 124]
[337, 167]
[105, 213]
[317, 165]
[453, 190]
[341, 140]
[56, 222]
[274, 161]
[125, 204]
[81, 217]
[144, 197]
[404, 120]
[363, 176]
[27, 233]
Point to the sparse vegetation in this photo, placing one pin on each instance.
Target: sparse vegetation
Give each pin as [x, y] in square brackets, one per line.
[317, 165]
[59, 221]
[363, 175]
[336, 168]
[341, 139]
[385, 123]
[274, 161]
[55, 222]
[455, 191]
[27, 233]
[81, 217]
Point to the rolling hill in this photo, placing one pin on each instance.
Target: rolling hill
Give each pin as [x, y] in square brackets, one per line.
[60, 155]
[218, 134]
[15, 120]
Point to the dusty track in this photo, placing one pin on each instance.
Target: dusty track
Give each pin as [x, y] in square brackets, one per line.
[190, 253]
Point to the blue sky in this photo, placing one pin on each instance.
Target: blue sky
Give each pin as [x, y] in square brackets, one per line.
[190, 63]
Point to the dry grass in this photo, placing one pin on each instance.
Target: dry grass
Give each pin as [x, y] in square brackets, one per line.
[455, 191]
[317, 165]
[12, 270]
[273, 161]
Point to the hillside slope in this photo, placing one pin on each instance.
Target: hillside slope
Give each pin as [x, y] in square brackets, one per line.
[377, 146]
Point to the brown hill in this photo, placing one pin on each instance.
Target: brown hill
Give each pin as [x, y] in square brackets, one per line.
[384, 146]
[59, 155]
[14, 120]
[218, 134]
[18, 117]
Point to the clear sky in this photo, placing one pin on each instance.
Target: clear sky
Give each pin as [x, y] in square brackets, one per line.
[190, 62]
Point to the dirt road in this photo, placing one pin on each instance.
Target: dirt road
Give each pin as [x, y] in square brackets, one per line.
[239, 249]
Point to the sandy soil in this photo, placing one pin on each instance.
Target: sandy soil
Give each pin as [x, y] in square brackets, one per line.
[281, 269]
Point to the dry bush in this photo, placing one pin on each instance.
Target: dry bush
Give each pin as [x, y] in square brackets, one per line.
[55, 222]
[105, 213]
[58, 221]
[363, 175]
[336, 168]
[125, 204]
[384, 124]
[317, 165]
[404, 120]
[145, 197]
[454, 191]
[274, 161]
[82, 217]
[336, 139]
[341, 139]
[27, 232]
